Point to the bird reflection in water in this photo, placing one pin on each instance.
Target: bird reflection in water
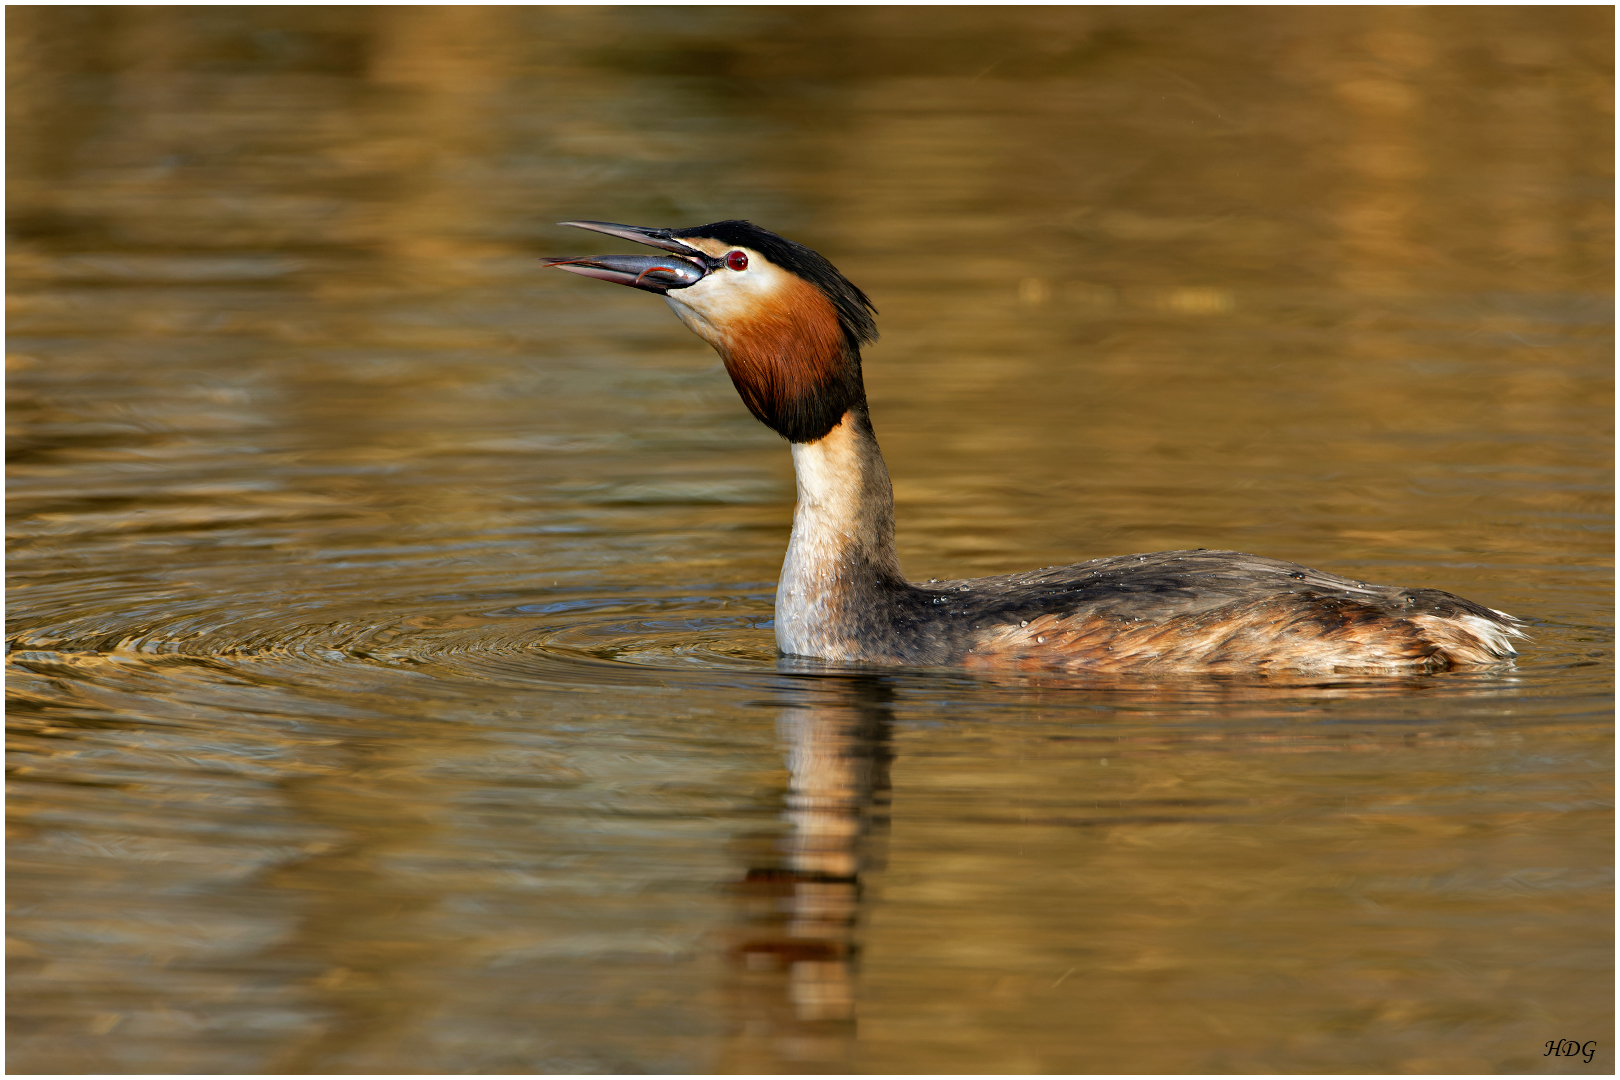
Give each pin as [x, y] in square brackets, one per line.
[793, 988]
[795, 959]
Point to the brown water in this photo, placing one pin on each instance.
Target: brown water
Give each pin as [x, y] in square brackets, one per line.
[393, 682]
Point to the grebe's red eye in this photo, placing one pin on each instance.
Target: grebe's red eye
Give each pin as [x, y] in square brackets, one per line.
[737, 260]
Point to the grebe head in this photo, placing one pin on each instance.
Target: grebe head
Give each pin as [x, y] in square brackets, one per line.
[787, 324]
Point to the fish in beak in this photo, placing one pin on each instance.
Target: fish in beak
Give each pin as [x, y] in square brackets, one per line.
[684, 266]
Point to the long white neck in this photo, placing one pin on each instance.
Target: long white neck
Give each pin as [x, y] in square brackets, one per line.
[842, 550]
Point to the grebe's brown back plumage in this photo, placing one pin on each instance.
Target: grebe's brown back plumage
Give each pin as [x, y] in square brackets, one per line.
[789, 328]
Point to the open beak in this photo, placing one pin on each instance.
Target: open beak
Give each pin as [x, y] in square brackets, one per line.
[685, 265]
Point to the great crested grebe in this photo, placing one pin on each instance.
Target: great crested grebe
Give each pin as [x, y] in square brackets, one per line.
[790, 327]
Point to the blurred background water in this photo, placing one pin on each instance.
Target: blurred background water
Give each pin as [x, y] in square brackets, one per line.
[392, 680]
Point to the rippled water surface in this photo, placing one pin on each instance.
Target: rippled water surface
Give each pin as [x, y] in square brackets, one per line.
[393, 682]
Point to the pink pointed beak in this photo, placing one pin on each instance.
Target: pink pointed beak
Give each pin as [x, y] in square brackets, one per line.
[684, 266]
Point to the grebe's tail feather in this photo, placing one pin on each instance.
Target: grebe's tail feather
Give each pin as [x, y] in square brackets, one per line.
[1468, 640]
